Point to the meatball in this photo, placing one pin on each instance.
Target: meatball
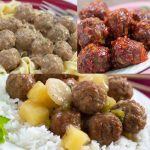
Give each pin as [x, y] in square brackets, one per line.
[104, 128]
[10, 59]
[126, 52]
[88, 97]
[63, 50]
[73, 41]
[10, 23]
[141, 32]
[119, 22]
[61, 119]
[24, 39]
[92, 30]
[41, 46]
[68, 22]
[17, 85]
[43, 22]
[98, 8]
[7, 39]
[119, 88]
[52, 64]
[25, 12]
[94, 59]
[58, 33]
[135, 116]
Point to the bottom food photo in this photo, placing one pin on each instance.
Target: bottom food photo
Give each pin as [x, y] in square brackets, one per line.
[74, 112]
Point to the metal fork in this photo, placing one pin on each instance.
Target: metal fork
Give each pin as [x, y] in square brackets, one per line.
[46, 6]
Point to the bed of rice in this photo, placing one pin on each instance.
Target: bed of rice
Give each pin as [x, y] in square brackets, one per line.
[39, 138]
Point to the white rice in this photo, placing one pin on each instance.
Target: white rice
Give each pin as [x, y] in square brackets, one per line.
[24, 137]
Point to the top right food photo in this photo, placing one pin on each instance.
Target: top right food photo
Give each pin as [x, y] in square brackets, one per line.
[113, 37]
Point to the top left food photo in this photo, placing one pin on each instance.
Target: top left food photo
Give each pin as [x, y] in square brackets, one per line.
[38, 37]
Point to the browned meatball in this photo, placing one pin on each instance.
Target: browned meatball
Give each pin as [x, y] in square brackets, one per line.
[73, 41]
[141, 32]
[104, 128]
[68, 22]
[10, 23]
[7, 39]
[63, 50]
[119, 22]
[119, 88]
[126, 52]
[98, 8]
[88, 97]
[43, 22]
[24, 38]
[25, 12]
[17, 85]
[10, 59]
[41, 46]
[135, 116]
[92, 30]
[58, 33]
[62, 118]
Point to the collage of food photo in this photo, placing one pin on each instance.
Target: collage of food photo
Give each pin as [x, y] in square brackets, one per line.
[74, 75]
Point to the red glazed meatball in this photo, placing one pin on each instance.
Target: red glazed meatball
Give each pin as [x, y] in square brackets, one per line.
[105, 128]
[94, 59]
[118, 22]
[98, 8]
[92, 30]
[126, 52]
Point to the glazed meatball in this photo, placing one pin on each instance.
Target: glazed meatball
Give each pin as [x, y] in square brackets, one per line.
[141, 32]
[68, 22]
[94, 59]
[63, 50]
[119, 88]
[41, 46]
[7, 39]
[52, 64]
[58, 33]
[17, 85]
[98, 8]
[24, 39]
[92, 30]
[61, 119]
[135, 116]
[126, 52]
[88, 97]
[43, 22]
[10, 59]
[73, 41]
[104, 128]
[10, 23]
[119, 22]
[25, 12]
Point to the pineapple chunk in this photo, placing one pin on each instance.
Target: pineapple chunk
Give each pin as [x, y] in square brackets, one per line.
[33, 113]
[39, 94]
[74, 138]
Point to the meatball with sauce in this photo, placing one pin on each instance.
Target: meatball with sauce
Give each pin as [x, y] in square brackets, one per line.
[126, 52]
[58, 33]
[92, 30]
[88, 97]
[61, 119]
[119, 88]
[7, 39]
[104, 128]
[10, 59]
[73, 41]
[98, 8]
[94, 59]
[135, 115]
[119, 22]
[63, 50]
[17, 85]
